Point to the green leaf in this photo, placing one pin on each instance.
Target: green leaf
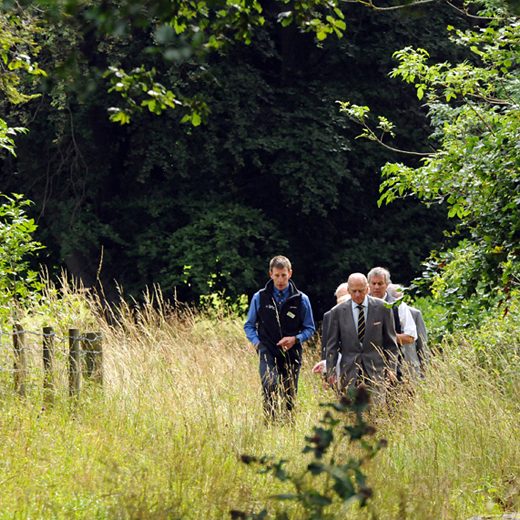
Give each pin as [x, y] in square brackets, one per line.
[321, 35]
[315, 498]
[195, 119]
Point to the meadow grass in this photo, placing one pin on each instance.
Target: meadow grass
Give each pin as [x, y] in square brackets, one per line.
[181, 402]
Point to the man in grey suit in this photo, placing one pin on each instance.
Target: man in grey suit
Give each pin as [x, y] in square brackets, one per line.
[361, 329]
[341, 295]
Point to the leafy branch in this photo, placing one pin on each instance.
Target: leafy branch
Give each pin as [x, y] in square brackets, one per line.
[140, 91]
[18, 51]
[328, 478]
[464, 10]
[359, 114]
[18, 282]
[183, 32]
[371, 5]
[473, 110]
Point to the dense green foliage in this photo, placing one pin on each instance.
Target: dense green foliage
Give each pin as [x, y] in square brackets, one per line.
[19, 284]
[273, 169]
[473, 107]
[267, 165]
[18, 52]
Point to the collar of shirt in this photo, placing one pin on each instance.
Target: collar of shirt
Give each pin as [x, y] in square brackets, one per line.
[280, 296]
[285, 292]
[355, 310]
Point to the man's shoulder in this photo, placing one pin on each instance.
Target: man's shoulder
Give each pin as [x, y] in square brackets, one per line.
[302, 295]
[267, 288]
[299, 298]
[340, 307]
[417, 315]
[403, 304]
[378, 302]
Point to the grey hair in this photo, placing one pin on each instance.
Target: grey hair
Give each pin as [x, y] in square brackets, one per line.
[379, 271]
[341, 287]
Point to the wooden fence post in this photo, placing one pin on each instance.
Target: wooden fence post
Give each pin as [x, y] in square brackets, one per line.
[48, 364]
[94, 356]
[20, 359]
[74, 362]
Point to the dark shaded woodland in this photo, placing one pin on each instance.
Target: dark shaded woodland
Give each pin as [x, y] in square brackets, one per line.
[273, 169]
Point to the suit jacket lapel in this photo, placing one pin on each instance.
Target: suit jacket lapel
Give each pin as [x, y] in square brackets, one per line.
[349, 318]
[369, 319]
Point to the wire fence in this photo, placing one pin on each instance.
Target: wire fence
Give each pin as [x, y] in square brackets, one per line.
[48, 360]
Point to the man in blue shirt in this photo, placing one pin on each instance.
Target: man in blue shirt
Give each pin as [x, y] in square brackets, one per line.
[278, 322]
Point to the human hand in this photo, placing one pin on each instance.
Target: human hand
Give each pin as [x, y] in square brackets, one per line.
[319, 367]
[287, 342]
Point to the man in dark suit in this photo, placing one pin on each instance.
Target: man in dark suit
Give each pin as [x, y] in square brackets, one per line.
[341, 295]
[361, 330]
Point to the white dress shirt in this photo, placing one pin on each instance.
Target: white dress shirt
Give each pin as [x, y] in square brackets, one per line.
[407, 322]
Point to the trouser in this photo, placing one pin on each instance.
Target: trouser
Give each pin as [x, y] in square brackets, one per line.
[376, 387]
[279, 375]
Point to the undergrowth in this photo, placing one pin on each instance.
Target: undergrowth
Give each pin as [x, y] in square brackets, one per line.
[181, 403]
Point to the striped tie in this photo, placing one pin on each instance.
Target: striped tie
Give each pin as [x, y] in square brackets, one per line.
[361, 323]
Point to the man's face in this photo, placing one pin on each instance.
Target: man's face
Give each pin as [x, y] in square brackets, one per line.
[358, 290]
[280, 277]
[377, 286]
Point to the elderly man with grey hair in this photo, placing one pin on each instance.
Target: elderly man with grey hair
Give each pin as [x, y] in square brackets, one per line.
[361, 330]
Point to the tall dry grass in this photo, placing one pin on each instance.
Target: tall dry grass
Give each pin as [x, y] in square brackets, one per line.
[181, 402]
[454, 445]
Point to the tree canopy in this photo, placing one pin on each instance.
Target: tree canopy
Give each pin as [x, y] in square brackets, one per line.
[266, 163]
[473, 108]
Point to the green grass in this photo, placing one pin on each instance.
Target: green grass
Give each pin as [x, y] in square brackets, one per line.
[181, 403]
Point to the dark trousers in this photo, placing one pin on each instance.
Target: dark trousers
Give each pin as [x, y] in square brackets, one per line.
[375, 387]
[279, 374]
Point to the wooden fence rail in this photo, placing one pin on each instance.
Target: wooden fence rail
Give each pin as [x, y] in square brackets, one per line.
[85, 359]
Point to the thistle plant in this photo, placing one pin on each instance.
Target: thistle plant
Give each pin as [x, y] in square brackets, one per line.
[331, 477]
